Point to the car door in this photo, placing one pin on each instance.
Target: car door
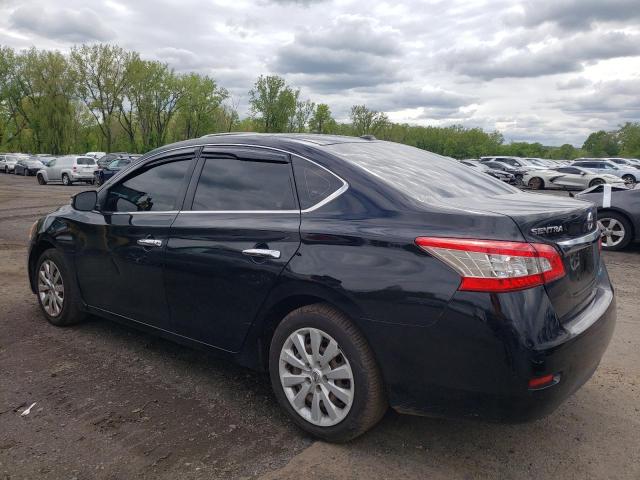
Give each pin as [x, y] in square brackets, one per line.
[226, 249]
[121, 256]
[571, 178]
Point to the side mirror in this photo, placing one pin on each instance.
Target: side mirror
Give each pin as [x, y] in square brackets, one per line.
[85, 201]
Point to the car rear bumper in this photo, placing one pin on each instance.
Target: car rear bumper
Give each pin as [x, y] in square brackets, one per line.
[478, 358]
[82, 176]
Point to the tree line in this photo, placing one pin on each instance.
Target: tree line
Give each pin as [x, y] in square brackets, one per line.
[103, 97]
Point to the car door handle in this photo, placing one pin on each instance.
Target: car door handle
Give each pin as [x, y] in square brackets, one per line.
[262, 253]
[149, 242]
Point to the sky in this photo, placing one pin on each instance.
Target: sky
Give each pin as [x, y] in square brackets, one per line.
[546, 71]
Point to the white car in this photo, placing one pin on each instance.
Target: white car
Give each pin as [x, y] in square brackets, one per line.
[96, 155]
[8, 162]
[68, 169]
[568, 178]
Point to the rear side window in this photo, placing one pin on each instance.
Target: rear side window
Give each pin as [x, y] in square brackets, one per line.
[152, 189]
[86, 161]
[314, 183]
[421, 175]
[229, 184]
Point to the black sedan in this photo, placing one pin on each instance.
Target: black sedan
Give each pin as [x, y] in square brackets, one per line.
[358, 273]
[28, 166]
[618, 214]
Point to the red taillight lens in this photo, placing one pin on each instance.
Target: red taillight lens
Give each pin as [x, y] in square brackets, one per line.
[496, 266]
[75, 168]
[541, 382]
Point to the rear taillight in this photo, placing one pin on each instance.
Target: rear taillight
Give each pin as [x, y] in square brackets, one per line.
[496, 266]
[74, 168]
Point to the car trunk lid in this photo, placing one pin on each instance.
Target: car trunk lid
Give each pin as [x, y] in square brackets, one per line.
[569, 225]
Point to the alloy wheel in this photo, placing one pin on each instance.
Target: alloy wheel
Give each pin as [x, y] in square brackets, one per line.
[613, 232]
[629, 179]
[316, 377]
[50, 288]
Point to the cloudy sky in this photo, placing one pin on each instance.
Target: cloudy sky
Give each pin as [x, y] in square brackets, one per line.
[549, 71]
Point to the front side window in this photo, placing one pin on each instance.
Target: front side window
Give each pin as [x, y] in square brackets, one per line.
[149, 190]
[230, 184]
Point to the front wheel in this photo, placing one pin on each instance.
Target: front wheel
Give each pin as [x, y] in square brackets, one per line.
[41, 180]
[324, 374]
[66, 180]
[596, 181]
[59, 300]
[25, 173]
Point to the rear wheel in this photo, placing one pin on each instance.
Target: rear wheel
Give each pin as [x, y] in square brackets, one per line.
[59, 301]
[324, 374]
[519, 179]
[66, 180]
[41, 180]
[629, 179]
[596, 181]
[616, 230]
[536, 183]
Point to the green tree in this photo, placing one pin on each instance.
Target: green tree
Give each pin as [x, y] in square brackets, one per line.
[199, 108]
[102, 78]
[602, 144]
[368, 122]
[321, 120]
[629, 137]
[273, 103]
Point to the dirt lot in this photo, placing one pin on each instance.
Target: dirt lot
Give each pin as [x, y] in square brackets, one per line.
[115, 403]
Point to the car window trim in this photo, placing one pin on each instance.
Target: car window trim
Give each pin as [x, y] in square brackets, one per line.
[155, 161]
[200, 164]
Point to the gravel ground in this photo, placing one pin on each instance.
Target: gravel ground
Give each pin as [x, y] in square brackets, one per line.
[111, 402]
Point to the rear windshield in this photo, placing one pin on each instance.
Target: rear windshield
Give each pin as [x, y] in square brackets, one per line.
[86, 161]
[417, 173]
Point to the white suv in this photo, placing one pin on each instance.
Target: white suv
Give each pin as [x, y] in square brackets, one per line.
[67, 170]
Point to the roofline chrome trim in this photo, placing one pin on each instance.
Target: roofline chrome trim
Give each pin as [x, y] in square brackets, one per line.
[333, 196]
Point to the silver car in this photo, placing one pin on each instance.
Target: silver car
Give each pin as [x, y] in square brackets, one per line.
[67, 170]
[8, 162]
[629, 174]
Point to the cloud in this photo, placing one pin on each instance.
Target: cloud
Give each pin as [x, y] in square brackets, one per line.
[576, 14]
[348, 54]
[573, 83]
[559, 56]
[81, 25]
[618, 100]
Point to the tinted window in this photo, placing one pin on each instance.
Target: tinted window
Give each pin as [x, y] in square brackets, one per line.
[232, 184]
[419, 174]
[153, 189]
[567, 170]
[313, 182]
[86, 161]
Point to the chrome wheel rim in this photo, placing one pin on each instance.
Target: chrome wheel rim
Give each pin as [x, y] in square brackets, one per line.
[50, 288]
[628, 179]
[613, 232]
[316, 377]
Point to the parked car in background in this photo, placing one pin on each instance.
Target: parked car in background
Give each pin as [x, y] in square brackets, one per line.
[28, 166]
[495, 173]
[8, 162]
[567, 178]
[68, 169]
[514, 162]
[96, 155]
[625, 162]
[45, 159]
[110, 157]
[629, 174]
[517, 172]
[618, 214]
[354, 275]
[104, 174]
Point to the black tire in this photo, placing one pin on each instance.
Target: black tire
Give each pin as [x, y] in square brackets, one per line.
[536, 183]
[66, 181]
[369, 400]
[626, 224]
[72, 312]
[6, 169]
[629, 179]
[41, 180]
[596, 181]
[519, 179]
[25, 173]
